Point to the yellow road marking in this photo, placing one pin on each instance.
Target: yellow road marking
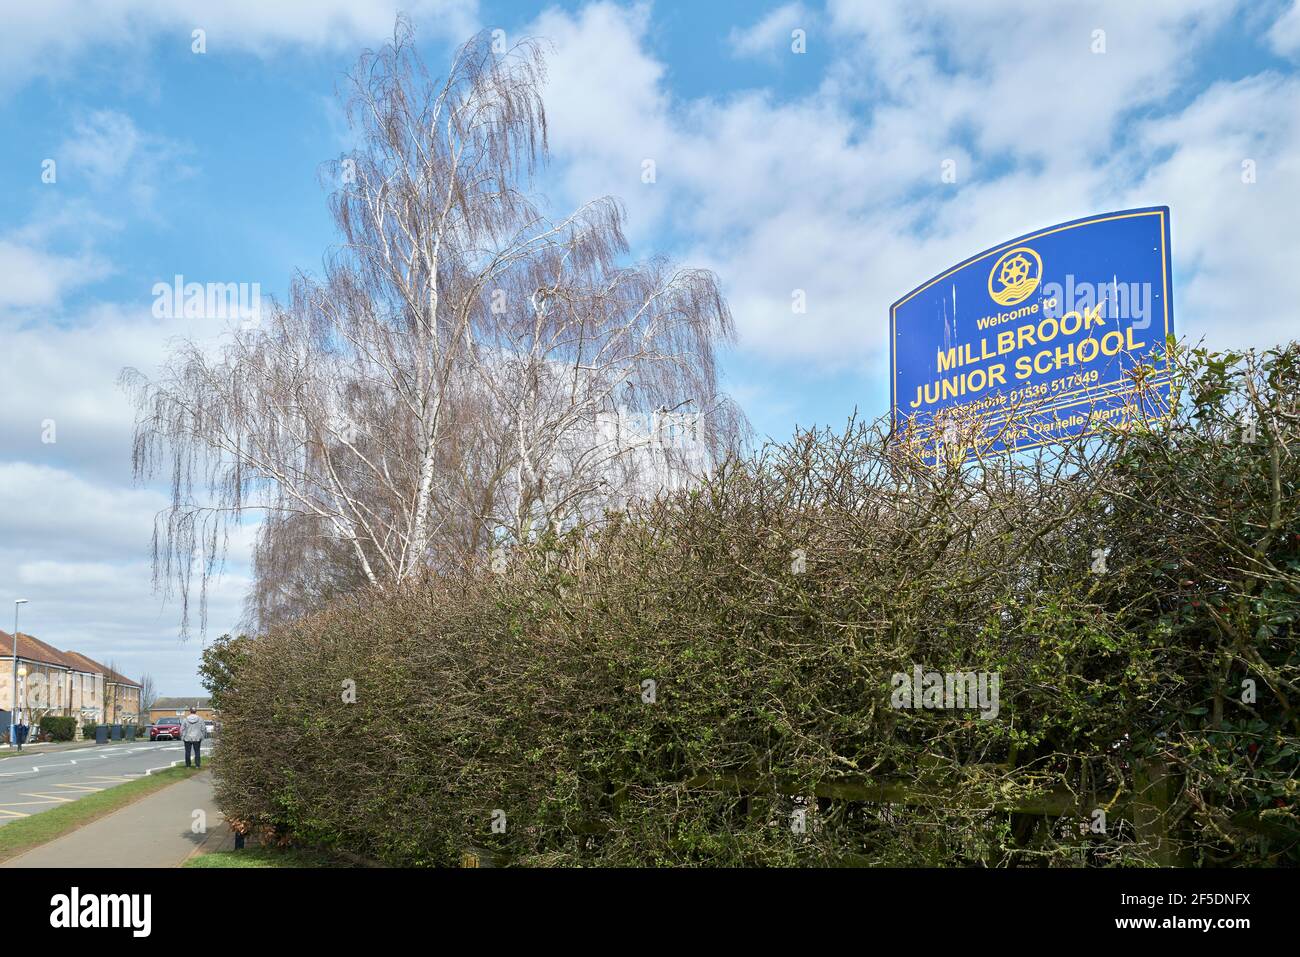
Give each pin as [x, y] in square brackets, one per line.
[14, 813]
[29, 803]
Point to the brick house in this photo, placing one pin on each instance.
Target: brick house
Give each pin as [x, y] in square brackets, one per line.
[64, 683]
[169, 707]
[121, 695]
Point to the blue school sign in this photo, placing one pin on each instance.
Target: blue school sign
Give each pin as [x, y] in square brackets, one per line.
[1037, 339]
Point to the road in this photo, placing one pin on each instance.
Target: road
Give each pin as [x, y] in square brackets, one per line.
[31, 783]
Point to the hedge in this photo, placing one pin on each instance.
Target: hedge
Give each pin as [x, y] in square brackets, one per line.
[59, 728]
[1135, 595]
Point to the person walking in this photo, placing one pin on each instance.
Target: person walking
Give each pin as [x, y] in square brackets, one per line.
[192, 730]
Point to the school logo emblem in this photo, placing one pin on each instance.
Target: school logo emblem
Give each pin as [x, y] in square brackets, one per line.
[1015, 276]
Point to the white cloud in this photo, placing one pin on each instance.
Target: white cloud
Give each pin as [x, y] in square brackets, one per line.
[102, 145]
[43, 39]
[606, 110]
[80, 574]
[78, 549]
[1284, 36]
[1235, 239]
[63, 513]
[106, 164]
[839, 194]
[75, 530]
[37, 278]
[258, 26]
[107, 151]
[66, 373]
[771, 34]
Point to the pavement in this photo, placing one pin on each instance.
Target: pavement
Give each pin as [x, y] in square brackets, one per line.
[162, 829]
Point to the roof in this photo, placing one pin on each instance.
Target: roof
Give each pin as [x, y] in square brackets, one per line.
[82, 663]
[87, 663]
[110, 675]
[33, 649]
[181, 703]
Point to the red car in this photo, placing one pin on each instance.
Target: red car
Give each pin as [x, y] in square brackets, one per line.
[165, 729]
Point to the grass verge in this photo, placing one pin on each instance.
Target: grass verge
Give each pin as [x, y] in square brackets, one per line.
[28, 832]
[269, 857]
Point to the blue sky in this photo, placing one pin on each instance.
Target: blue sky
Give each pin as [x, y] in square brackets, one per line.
[817, 171]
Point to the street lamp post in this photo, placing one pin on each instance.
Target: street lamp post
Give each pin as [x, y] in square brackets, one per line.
[22, 673]
[13, 713]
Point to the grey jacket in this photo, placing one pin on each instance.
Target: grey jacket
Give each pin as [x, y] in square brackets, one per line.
[192, 728]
